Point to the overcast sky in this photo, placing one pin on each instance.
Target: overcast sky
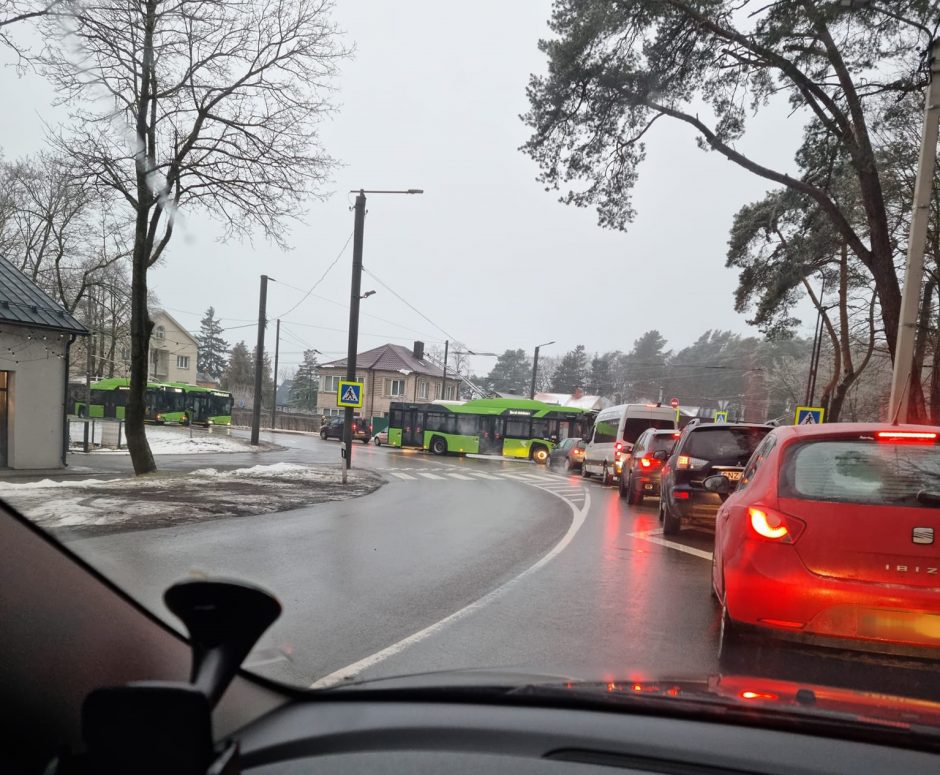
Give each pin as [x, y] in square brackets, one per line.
[431, 100]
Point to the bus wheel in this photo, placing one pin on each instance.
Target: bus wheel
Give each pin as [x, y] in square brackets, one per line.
[539, 454]
[438, 445]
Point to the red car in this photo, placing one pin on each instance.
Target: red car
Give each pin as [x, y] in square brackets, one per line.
[833, 532]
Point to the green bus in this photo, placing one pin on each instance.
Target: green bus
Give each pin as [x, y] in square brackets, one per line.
[511, 427]
[164, 402]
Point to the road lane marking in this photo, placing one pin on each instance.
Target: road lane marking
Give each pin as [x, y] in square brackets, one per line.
[429, 476]
[460, 476]
[350, 672]
[401, 476]
[484, 476]
[653, 537]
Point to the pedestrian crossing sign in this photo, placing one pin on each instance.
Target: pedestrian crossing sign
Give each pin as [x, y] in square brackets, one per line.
[721, 417]
[809, 415]
[349, 394]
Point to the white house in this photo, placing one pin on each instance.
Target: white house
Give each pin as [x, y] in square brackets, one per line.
[35, 335]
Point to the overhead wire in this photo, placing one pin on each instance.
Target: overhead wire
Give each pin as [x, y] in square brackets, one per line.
[404, 301]
[321, 279]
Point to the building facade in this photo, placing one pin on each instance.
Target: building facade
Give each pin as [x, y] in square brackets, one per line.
[389, 373]
[36, 333]
[173, 351]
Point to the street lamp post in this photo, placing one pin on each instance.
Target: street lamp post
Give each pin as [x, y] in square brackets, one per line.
[354, 297]
[902, 376]
[535, 366]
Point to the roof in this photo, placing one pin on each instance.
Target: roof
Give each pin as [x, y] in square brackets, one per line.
[582, 402]
[24, 303]
[389, 357]
[176, 323]
[851, 429]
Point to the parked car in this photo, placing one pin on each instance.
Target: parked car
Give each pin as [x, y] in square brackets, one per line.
[831, 533]
[701, 451]
[568, 454]
[615, 431]
[642, 470]
[380, 438]
[333, 429]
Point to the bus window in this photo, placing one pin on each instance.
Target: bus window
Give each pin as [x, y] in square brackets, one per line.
[517, 429]
[468, 424]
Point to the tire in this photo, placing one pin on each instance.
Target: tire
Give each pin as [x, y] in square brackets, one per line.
[606, 478]
[569, 466]
[621, 489]
[438, 446]
[376, 441]
[323, 435]
[539, 454]
[727, 635]
[671, 523]
[633, 497]
[584, 471]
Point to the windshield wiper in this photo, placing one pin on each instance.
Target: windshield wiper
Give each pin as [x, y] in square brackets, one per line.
[928, 497]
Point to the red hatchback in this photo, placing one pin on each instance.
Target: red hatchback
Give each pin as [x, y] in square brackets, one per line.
[834, 531]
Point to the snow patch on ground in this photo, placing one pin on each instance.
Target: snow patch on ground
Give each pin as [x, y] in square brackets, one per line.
[173, 440]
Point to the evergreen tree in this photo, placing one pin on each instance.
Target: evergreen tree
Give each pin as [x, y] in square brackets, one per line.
[306, 383]
[601, 382]
[239, 372]
[511, 373]
[646, 364]
[267, 378]
[212, 347]
[572, 371]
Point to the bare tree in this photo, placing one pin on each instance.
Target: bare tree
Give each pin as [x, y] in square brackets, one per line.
[14, 12]
[188, 104]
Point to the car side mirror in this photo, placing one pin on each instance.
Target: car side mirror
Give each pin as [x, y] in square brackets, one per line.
[661, 455]
[717, 484]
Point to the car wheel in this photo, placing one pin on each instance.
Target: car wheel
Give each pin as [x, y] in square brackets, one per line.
[606, 478]
[377, 441]
[633, 497]
[727, 635]
[539, 454]
[671, 523]
[584, 472]
[569, 466]
[621, 489]
[323, 435]
[438, 445]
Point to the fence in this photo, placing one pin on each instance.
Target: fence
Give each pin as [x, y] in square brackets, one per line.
[102, 432]
[285, 421]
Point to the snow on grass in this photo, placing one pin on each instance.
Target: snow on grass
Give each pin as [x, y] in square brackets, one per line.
[172, 440]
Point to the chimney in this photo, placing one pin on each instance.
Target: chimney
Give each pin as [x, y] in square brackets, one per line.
[418, 351]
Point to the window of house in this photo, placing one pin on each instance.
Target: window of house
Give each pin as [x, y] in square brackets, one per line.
[396, 387]
[182, 361]
[422, 390]
[330, 383]
[451, 392]
[159, 333]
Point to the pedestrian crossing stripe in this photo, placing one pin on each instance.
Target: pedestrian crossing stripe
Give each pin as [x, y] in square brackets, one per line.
[349, 393]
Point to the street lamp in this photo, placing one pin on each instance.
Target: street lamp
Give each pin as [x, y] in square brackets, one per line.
[535, 366]
[354, 297]
[367, 294]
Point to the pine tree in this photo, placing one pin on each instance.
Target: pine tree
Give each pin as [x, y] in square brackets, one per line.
[212, 347]
[306, 382]
[511, 373]
[239, 373]
[572, 371]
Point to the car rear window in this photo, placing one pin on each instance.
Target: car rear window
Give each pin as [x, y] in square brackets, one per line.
[634, 426]
[662, 443]
[724, 446]
[860, 471]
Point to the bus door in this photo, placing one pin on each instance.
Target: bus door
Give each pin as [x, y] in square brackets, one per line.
[412, 428]
[491, 435]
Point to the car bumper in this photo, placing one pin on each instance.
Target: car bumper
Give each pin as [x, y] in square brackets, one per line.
[648, 485]
[699, 506]
[770, 588]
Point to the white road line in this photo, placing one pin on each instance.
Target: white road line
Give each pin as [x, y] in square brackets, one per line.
[652, 537]
[483, 476]
[460, 476]
[429, 476]
[351, 671]
[400, 475]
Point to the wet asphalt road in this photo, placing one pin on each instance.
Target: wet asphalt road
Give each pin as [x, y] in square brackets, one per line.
[470, 563]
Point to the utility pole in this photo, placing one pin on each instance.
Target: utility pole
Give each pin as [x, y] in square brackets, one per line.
[277, 349]
[259, 361]
[902, 376]
[444, 378]
[354, 297]
[535, 367]
[88, 365]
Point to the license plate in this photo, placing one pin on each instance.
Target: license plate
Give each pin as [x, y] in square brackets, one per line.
[732, 475]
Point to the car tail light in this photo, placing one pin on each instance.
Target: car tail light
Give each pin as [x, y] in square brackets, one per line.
[618, 447]
[677, 434]
[915, 437]
[774, 526]
[691, 463]
[680, 495]
[649, 462]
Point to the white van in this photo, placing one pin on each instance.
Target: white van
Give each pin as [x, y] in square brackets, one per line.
[615, 431]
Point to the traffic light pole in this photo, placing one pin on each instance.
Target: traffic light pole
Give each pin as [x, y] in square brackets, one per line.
[354, 296]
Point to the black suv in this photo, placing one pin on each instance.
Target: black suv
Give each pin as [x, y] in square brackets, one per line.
[703, 451]
[332, 428]
[641, 473]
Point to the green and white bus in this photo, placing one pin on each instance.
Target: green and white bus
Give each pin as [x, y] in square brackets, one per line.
[164, 402]
[511, 427]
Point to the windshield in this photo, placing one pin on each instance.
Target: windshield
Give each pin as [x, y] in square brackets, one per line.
[302, 211]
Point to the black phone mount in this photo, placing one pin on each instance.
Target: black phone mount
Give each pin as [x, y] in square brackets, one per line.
[151, 727]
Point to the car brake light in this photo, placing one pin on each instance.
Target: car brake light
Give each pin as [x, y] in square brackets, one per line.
[908, 436]
[618, 447]
[692, 463]
[649, 462]
[677, 434]
[774, 526]
[680, 495]
[748, 695]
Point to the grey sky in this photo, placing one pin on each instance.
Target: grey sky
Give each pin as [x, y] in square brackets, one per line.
[431, 100]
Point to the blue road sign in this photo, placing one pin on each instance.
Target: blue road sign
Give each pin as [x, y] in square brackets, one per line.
[809, 415]
[349, 394]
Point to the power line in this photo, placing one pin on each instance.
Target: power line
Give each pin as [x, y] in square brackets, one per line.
[411, 306]
[322, 278]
